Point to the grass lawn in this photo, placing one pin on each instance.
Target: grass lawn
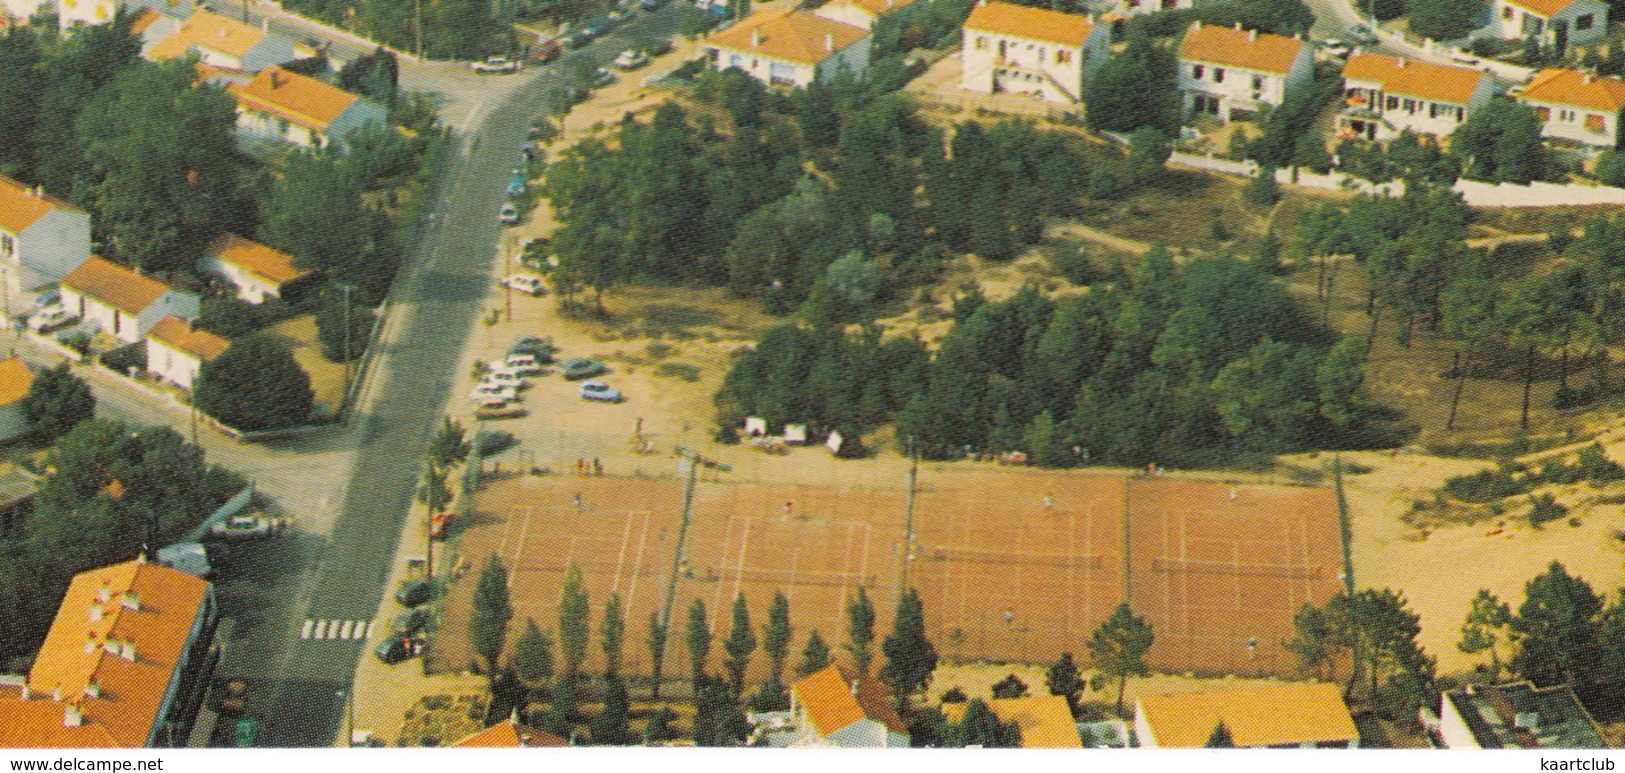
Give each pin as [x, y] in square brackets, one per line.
[326, 377]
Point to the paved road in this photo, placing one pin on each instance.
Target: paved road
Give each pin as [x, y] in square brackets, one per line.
[436, 306]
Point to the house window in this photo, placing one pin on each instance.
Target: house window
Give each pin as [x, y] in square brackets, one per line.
[781, 74]
[1433, 110]
[1543, 113]
[1258, 82]
[981, 43]
[1595, 123]
[1461, 114]
[1410, 106]
[1506, 12]
[8, 246]
[118, 321]
[1197, 71]
[1393, 103]
[1585, 22]
[1566, 116]
[737, 61]
[1218, 75]
[1063, 56]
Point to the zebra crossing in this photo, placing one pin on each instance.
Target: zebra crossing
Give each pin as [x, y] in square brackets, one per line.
[336, 629]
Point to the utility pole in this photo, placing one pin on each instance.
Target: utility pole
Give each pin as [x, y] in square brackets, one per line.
[417, 25]
[907, 556]
[344, 399]
[693, 461]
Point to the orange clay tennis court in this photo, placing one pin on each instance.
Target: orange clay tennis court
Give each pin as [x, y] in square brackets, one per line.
[1011, 564]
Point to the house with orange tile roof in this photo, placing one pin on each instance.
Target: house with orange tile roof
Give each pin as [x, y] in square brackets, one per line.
[842, 707]
[258, 271]
[125, 663]
[1126, 8]
[177, 349]
[16, 378]
[280, 106]
[1555, 23]
[1019, 49]
[1287, 716]
[1575, 105]
[864, 13]
[42, 238]
[121, 302]
[1046, 721]
[1388, 96]
[223, 42]
[510, 734]
[1228, 70]
[790, 49]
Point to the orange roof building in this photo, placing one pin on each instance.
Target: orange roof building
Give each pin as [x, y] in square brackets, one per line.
[1581, 21]
[258, 271]
[1283, 716]
[289, 107]
[123, 303]
[510, 734]
[177, 349]
[1575, 105]
[1019, 49]
[16, 378]
[220, 41]
[790, 48]
[839, 706]
[864, 13]
[1389, 95]
[121, 666]
[1227, 69]
[42, 238]
[1045, 720]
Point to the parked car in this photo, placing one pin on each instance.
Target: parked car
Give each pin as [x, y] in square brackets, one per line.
[505, 377]
[1334, 47]
[631, 60]
[525, 283]
[231, 697]
[517, 186]
[508, 215]
[600, 392]
[413, 593]
[487, 390]
[1360, 33]
[492, 441]
[650, 5]
[579, 368]
[50, 318]
[410, 622]
[395, 649]
[579, 38]
[540, 348]
[243, 527]
[547, 51]
[524, 364]
[499, 409]
[495, 64]
[439, 525]
[602, 77]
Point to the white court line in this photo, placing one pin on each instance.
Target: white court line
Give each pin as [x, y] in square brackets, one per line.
[739, 566]
[620, 556]
[368, 630]
[519, 548]
[795, 561]
[326, 627]
[722, 560]
[637, 563]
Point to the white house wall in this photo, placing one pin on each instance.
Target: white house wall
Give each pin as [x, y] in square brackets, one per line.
[1453, 729]
[250, 287]
[172, 364]
[173, 303]
[847, 13]
[982, 70]
[853, 59]
[55, 244]
[359, 115]
[1241, 88]
[1569, 122]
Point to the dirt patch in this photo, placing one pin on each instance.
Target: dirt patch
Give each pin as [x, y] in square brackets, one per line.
[326, 376]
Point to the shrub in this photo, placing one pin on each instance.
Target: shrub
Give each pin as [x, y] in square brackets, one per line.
[1483, 486]
[1596, 467]
[1543, 508]
[124, 358]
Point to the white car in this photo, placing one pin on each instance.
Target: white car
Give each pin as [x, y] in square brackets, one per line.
[523, 364]
[524, 283]
[631, 60]
[495, 64]
[50, 318]
[508, 215]
[505, 376]
[491, 391]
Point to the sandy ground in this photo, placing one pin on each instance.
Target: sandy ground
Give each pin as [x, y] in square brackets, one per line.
[326, 377]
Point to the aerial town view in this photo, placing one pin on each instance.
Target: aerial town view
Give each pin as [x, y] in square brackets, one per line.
[798, 374]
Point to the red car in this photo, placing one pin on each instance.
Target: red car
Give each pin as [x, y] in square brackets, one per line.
[438, 526]
[547, 51]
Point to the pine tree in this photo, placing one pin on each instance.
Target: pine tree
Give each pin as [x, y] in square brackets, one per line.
[493, 608]
[533, 655]
[815, 656]
[1487, 626]
[612, 636]
[22, 83]
[776, 634]
[1220, 738]
[1560, 628]
[1010, 686]
[1136, 88]
[699, 642]
[575, 622]
[256, 384]
[739, 645]
[910, 657]
[450, 445]
[56, 402]
[612, 725]
[1118, 648]
[657, 651]
[1148, 152]
[860, 630]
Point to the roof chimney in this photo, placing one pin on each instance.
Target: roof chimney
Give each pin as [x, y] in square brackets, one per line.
[756, 38]
[106, 593]
[1585, 78]
[56, 692]
[854, 687]
[132, 601]
[28, 692]
[829, 42]
[90, 642]
[1238, 26]
[129, 650]
[1400, 63]
[1252, 35]
[96, 613]
[72, 716]
[110, 646]
[93, 688]
[1197, 25]
[222, 34]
